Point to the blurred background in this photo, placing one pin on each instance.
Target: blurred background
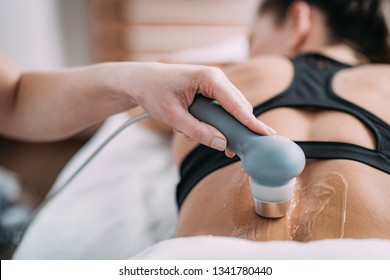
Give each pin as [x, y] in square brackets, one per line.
[51, 34]
[46, 34]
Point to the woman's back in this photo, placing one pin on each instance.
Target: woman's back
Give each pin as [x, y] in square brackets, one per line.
[334, 197]
[344, 190]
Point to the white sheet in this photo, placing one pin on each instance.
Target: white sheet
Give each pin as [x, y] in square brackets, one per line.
[225, 248]
[122, 203]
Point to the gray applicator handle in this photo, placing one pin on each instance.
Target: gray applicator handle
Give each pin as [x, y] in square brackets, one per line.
[270, 160]
[210, 112]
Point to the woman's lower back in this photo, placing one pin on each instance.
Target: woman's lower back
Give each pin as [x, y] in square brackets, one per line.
[333, 199]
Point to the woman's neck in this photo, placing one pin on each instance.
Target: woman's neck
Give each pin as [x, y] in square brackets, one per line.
[318, 40]
[343, 53]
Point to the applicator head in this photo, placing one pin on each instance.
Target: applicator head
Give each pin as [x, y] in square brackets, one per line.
[272, 165]
[271, 202]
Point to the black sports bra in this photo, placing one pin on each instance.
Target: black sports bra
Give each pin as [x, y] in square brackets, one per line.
[311, 87]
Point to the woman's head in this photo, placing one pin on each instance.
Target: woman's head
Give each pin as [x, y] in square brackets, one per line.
[364, 25]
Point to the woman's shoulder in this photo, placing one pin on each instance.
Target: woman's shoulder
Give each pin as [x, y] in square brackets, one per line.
[366, 85]
[264, 64]
[379, 72]
[373, 77]
[267, 74]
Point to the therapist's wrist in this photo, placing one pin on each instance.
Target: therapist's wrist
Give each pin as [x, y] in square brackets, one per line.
[119, 80]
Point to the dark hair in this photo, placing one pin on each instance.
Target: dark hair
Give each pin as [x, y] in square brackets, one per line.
[359, 23]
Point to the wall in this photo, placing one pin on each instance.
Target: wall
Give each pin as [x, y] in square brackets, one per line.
[44, 34]
[158, 29]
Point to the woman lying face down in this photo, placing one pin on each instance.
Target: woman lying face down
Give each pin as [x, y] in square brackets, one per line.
[318, 75]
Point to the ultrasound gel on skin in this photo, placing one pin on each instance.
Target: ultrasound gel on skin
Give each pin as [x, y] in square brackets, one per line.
[272, 162]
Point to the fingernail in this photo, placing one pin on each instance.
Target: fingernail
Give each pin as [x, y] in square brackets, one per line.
[270, 130]
[229, 154]
[218, 144]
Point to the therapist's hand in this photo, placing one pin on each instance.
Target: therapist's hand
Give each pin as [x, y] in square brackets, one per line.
[167, 90]
[54, 105]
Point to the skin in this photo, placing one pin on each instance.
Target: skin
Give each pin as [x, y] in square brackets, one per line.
[48, 106]
[41, 113]
[334, 198]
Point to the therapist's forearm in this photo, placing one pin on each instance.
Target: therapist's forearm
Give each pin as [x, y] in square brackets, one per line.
[54, 105]
[50, 106]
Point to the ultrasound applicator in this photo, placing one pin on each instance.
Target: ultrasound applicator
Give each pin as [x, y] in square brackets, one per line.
[272, 162]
